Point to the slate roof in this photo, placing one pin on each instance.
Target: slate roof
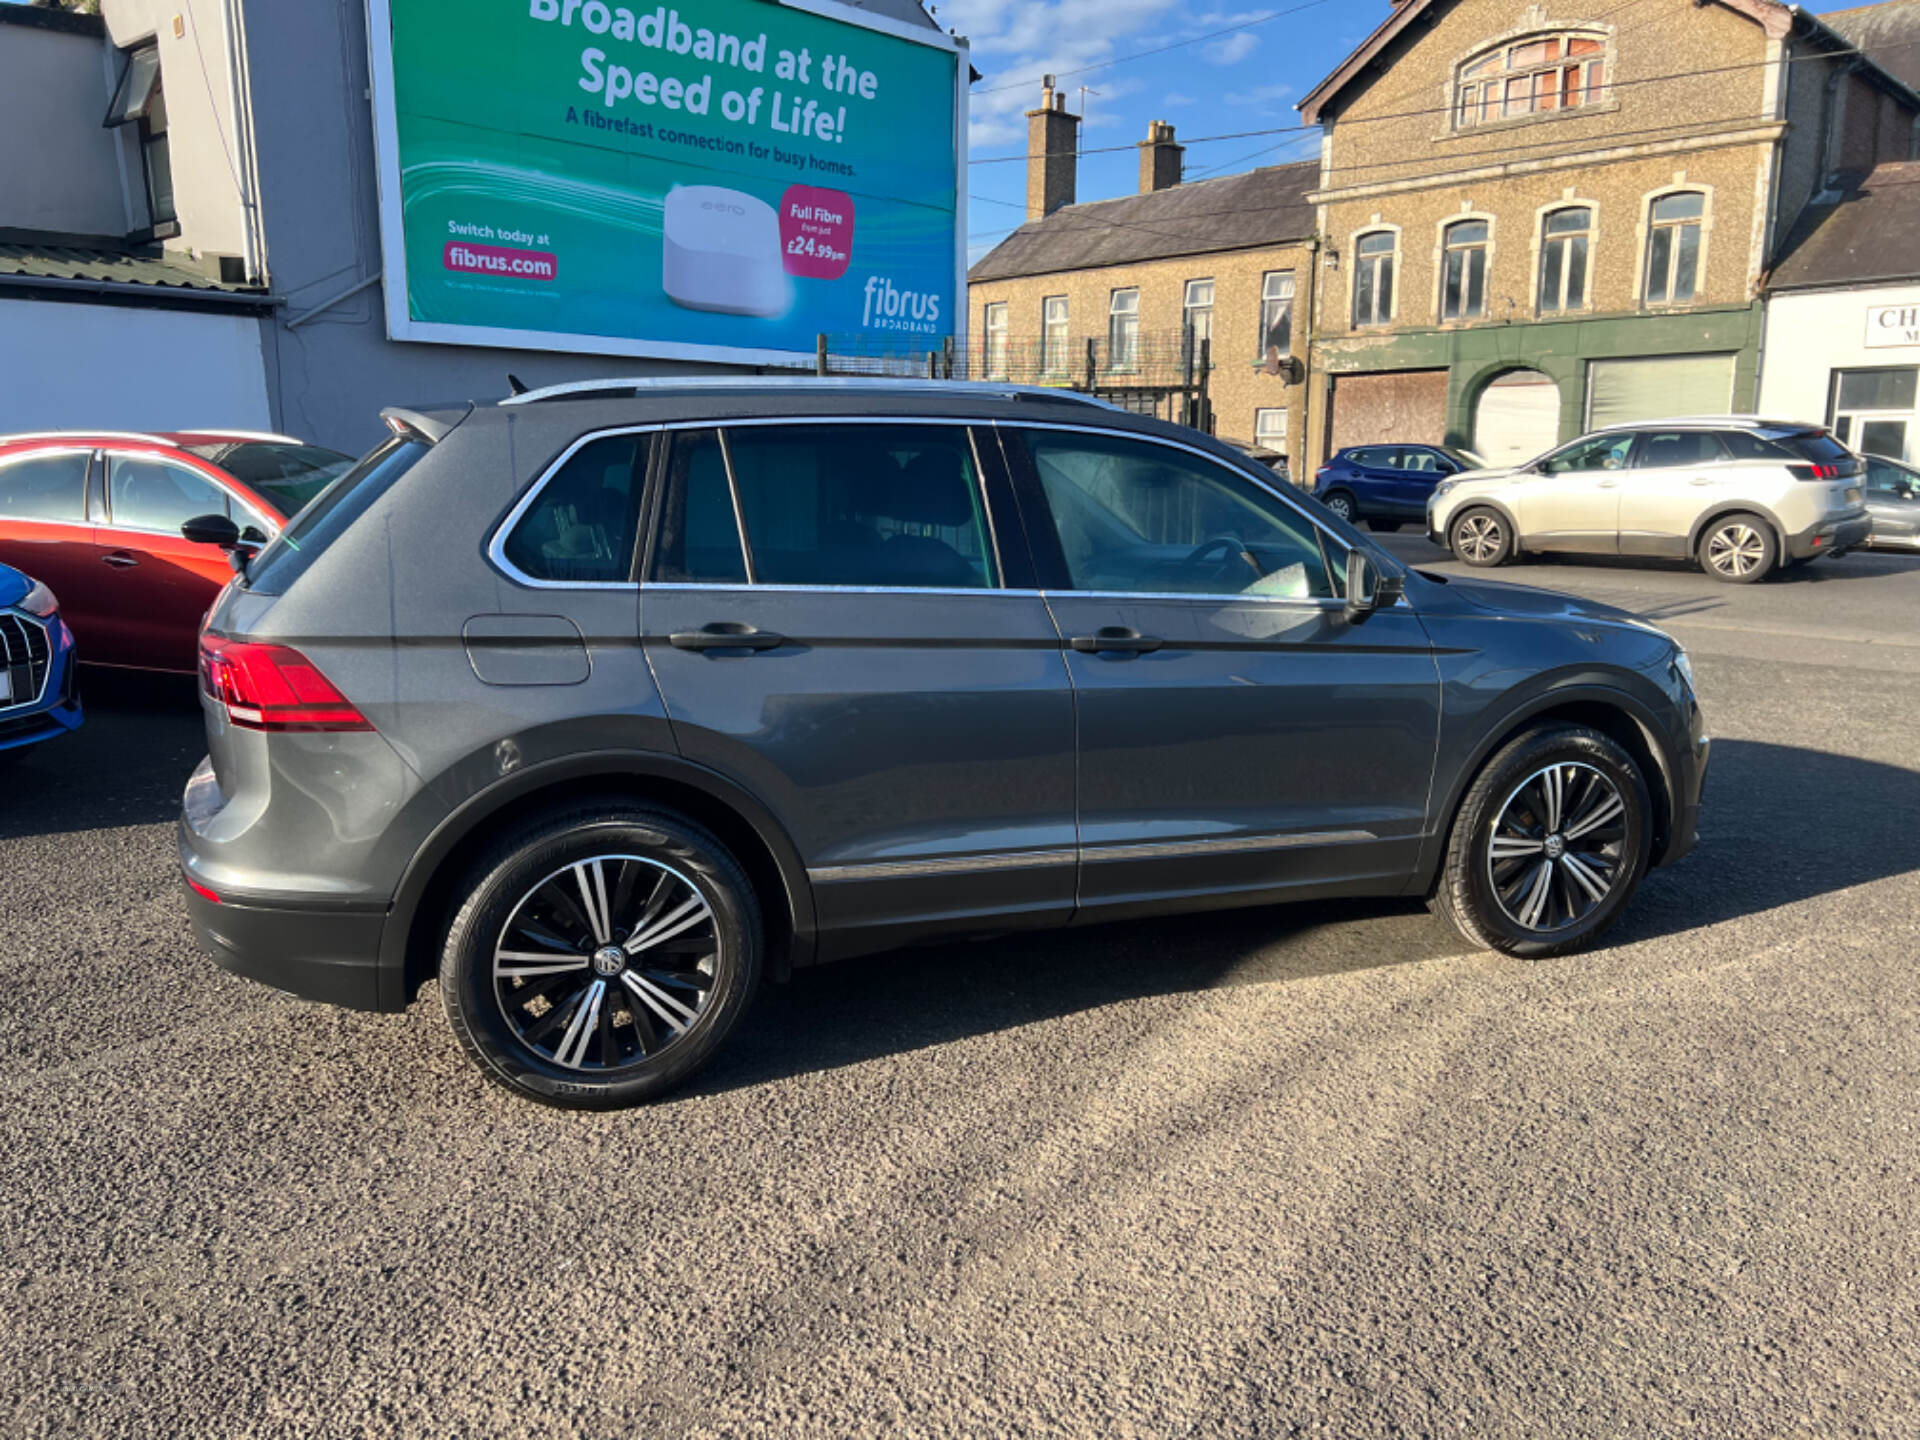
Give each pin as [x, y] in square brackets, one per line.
[1863, 237]
[25, 255]
[1235, 212]
[1889, 33]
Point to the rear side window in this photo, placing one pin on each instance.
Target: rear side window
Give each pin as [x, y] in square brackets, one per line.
[1670, 449]
[881, 506]
[699, 540]
[1751, 445]
[45, 487]
[144, 493]
[288, 475]
[582, 526]
[1815, 445]
[315, 528]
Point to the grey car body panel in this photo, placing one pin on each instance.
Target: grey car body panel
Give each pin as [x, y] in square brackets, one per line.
[914, 763]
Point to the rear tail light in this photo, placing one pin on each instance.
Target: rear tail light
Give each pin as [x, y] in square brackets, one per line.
[1826, 470]
[273, 687]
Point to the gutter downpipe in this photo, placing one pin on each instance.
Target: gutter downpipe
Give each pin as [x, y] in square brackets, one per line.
[240, 119]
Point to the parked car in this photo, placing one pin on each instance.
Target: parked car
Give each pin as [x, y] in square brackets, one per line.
[39, 692]
[97, 516]
[1740, 495]
[1893, 502]
[1386, 485]
[599, 702]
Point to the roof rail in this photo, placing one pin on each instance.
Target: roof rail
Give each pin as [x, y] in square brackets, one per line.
[84, 435]
[632, 387]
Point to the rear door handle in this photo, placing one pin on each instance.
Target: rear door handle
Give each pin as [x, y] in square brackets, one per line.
[1116, 639]
[726, 636]
[120, 560]
[1701, 480]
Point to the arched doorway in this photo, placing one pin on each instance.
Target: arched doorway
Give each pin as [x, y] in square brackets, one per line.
[1516, 418]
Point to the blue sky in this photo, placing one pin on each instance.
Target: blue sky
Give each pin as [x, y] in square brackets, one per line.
[1247, 79]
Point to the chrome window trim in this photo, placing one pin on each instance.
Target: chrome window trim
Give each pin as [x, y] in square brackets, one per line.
[496, 545]
[766, 588]
[40, 454]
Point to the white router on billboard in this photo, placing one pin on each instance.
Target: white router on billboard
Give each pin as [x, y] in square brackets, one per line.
[721, 251]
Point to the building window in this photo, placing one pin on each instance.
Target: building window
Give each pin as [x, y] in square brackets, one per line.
[1053, 334]
[1673, 248]
[1373, 278]
[1872, 410]
[1270, 430]
[1563, 260]
[1276, 315]
[1463, 284]
[1123, 330]
[1544, 74]
[1197, 317]
[996, 327]
[139, 100]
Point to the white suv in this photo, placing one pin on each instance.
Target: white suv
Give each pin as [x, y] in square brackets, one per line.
[1741, 495]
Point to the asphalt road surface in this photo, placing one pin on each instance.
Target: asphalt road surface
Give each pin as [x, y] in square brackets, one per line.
[1310, 1171]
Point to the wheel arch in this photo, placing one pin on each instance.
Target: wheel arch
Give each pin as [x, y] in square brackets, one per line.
[1498, 507]
[1614, 713]
[409, 953]
[1715, 514]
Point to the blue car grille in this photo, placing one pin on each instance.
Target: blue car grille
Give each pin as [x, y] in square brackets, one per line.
[28, 657]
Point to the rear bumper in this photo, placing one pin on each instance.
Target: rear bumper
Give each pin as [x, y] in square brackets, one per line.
[1830, 537]
[328, 955]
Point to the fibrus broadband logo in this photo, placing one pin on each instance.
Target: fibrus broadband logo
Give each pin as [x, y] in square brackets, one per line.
[886, 308]
[471, 259]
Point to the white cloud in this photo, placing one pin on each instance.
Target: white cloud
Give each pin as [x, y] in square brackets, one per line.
[1261, 97]
[1174, 97]
[1231, 49]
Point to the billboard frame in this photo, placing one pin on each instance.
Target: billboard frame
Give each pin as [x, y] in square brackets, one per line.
[401, 326]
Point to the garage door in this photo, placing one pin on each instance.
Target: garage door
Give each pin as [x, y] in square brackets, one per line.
[1516, 418]
[1407, 407]
[1622, 391]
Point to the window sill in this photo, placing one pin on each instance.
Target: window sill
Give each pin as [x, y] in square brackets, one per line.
[1545, 117]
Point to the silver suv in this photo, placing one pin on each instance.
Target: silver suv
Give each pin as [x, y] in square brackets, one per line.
[1742, 496]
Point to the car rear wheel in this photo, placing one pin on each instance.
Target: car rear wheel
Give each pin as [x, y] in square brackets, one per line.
[1342, 504]
[1738, 549]
[1481, 538]
[600, 956]
[1550, 843]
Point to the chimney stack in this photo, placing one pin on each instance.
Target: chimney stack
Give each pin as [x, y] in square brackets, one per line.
[1053, 143]
[1160, 158]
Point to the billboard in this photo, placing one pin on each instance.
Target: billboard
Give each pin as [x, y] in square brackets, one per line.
[718, 180]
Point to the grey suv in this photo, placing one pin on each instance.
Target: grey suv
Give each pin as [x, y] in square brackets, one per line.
[601, 702]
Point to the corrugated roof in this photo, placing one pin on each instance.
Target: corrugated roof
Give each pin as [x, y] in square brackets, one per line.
[54, 259]
[1889, 33]
[1863, 237]
[1236, 212]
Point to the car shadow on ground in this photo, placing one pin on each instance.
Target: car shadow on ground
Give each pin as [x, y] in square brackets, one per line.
[125, 765]
[1858, 829]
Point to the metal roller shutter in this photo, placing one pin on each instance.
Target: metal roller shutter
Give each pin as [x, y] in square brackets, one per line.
[1516, 418]
[1620, 392]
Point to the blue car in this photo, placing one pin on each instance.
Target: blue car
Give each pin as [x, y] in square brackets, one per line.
[1387, 485]
[39, 689]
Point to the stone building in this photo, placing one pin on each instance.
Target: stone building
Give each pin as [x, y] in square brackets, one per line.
[1142, 279]
[1542, 217]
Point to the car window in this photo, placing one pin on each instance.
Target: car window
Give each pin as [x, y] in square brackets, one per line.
[47, 486]
[1140, 518]
[307, 537]
[1596, 452]
[1374, 457]
[1891, 479]
[287, 474]
[582, 527]
[699, 539]
[1674, 449]
[145, 492]
[1425, 461]
[882, 506]
[1751, 445]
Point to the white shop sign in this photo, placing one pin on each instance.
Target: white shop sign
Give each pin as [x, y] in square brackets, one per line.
[1892, 326]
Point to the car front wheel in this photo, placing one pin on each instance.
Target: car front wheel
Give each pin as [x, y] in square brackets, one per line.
[1481, 538]
[1550, 843]
[600, 956]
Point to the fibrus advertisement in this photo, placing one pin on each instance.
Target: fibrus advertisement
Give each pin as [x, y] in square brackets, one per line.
[716, 179]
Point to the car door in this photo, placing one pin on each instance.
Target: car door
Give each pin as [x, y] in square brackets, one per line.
[155, 585]
[44, 531]
[1893, 500]
[1420, 469]
[871, 660]
[1673, 478]
[1570, 500]
[1239, 737]
[1375, 470]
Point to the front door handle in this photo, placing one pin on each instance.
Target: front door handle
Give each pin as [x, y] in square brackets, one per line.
[1701, 480]
[1116, 640]
[120, 560]
[726, 636]
[1609, 485]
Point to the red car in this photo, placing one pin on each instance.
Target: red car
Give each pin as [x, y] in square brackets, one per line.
[97, 516]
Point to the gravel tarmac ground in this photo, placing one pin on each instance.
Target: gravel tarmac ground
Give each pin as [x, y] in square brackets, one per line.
[1320, 1170]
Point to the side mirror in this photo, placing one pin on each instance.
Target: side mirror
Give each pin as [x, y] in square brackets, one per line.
[1368, 588]
[212, 530]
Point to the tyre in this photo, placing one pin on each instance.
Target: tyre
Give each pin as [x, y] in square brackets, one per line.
[1738, 549]
[1550, 843]
[600, 956]
[1481, 537]
[1383, 527]
[1342, 504]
